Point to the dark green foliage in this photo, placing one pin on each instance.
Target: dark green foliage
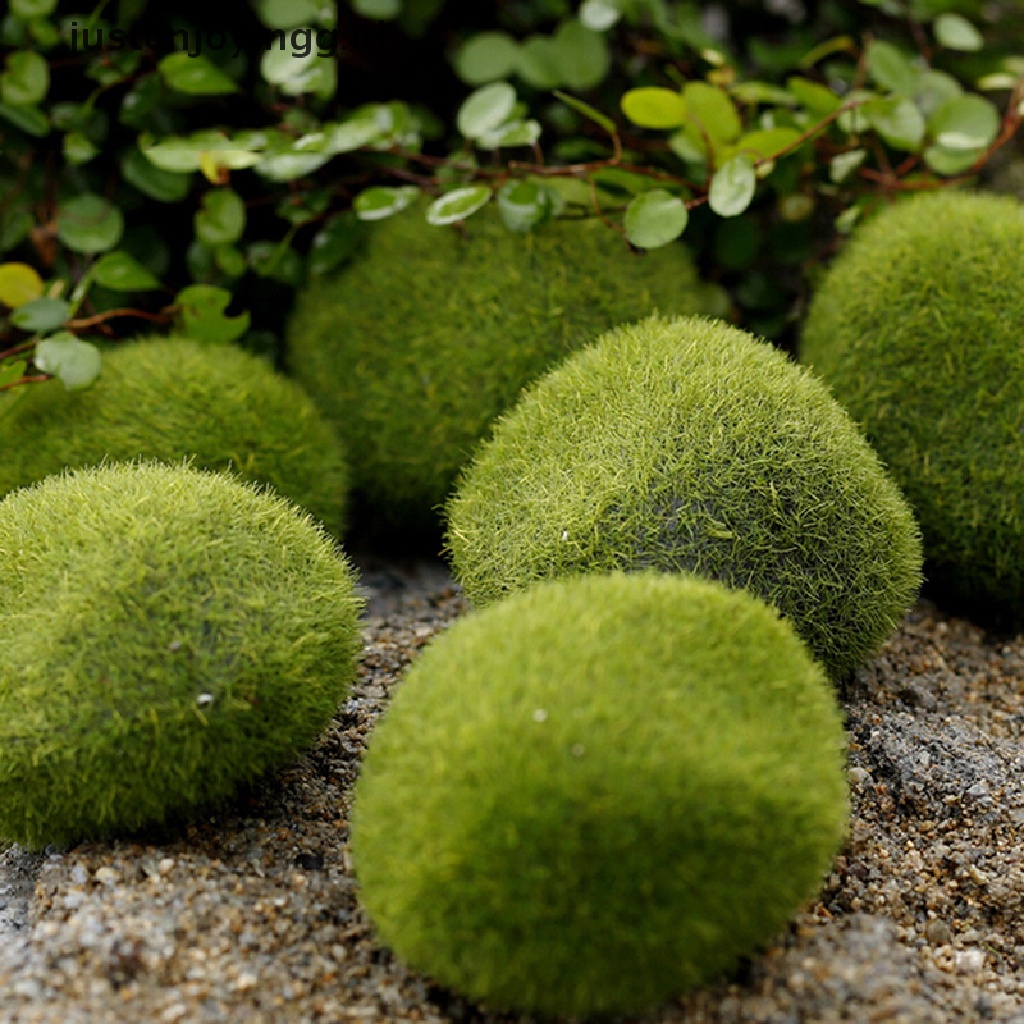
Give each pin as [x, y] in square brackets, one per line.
[416, 347]
[598, 793]
[171, 398]
[917, 329]
[684, 443]
[165, 634]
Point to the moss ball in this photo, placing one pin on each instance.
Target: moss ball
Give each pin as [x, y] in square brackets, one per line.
[415, 346]
[170, 398]
[686, 444]
[596, 794]
[165, 634]
[917, 328]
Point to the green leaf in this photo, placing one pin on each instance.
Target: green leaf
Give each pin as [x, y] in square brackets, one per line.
[815, 98]
[285, 159]
[163, 186]
[122, 273]
[710, 113]
[599, 15]
[28, 119]
[587, 111]
[512, 133]
[853, 119]
[353, 133]
[380, 201]
[12, 372]
[379, 10]
[522, 205]
[277, 261]
[487, 57]
[89, 224]
[28, 10]
[967, 122]
[78, 149]
[934, 89]
[485, 109]
[189, 154]
[221, 218]
[538, 63]
[295, 75]
[458, 204]
[334, 243]
[42, 314]
[581, 55]
[762, 92]
[229, 261]
[196, 76]
[75, 363]
[898, 120]
[651, 106]
[892, 69]
[19, 284]
[843, 165]
[25, 80]
[202, 314]
[764, 144]
[955, 32]
[655, 219]
[732, 187]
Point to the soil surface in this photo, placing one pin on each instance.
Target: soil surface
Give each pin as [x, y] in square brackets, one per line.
[250, 915]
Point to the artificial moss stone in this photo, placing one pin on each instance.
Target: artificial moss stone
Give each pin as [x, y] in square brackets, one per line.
[597, 794]
[917, 328]
[415, 346]
[686, 444]
[171, 398]
[165, 635]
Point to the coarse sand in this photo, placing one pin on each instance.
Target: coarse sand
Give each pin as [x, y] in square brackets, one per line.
[250, 915]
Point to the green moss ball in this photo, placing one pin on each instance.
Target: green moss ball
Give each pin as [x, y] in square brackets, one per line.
[597, 794]
[170, 398]
[416, 346]
[165, 634]
[918, 328]
[685, 444]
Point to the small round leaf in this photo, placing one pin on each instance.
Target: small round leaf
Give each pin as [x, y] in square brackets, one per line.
[25, 79]
[122, 273]
[599, 15]
[195, 75]
[487, 57]
[732, 187]
[379, 201]
[651, 106]
[458, 204]
[221, 219]
[42, 314]
[74, 362]
[485, 109]
[202, 313]
[19, 283]
[523, 205]
[955, 32]
[655, 219]
[89, 224]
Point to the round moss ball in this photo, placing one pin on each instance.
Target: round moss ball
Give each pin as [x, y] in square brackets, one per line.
[173, 398]
[599, 793]
[416, 345]
[686, 444]
[165, 634]
[917, 328]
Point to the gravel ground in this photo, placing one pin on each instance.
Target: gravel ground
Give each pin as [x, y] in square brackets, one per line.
[250, 915]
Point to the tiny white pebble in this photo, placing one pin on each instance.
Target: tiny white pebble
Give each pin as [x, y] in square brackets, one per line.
[166, 865]
[108, 875]
[565, 535]
[204, 699]
[968, 961]
[540, 715]
[246, 980]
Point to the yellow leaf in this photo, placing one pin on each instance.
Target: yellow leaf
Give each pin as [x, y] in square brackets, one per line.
[19, 284]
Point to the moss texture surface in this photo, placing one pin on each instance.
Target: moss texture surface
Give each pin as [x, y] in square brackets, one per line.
[165, 634]
[599, 793]
[918, 328]
[170, 398]
[417, 345]
[686, 444]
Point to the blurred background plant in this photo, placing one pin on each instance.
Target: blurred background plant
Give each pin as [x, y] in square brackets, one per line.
[189, 168]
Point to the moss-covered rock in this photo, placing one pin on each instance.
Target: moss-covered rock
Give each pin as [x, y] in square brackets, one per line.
[165, 634]
[596, 794]
[171, 398]
[683, 443]
[417, 345]
[918, 329]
